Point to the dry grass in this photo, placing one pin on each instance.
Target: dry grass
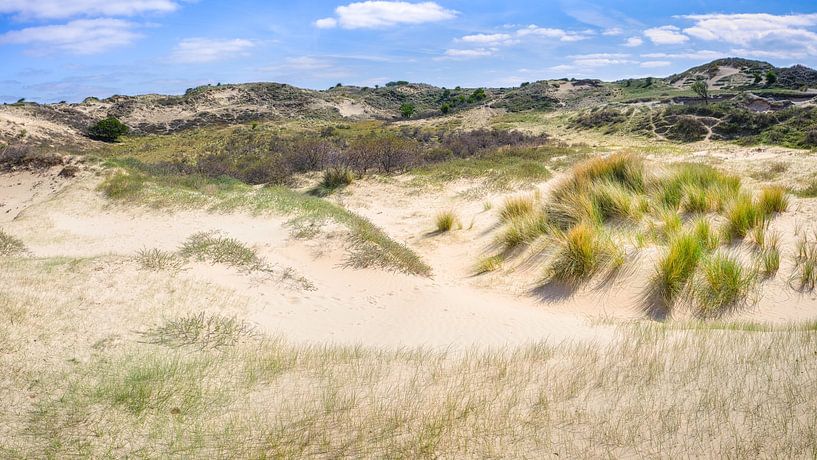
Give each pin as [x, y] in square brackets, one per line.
[214, 248]
[445, 221]
[158, 260]
[651, 391]
[488, 264]
[516, 207]
[804, 276]
[200, 330]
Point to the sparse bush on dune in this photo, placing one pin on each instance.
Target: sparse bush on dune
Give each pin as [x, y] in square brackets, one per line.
[446, 221]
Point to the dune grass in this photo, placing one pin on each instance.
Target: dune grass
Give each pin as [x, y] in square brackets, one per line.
[158, 260]
[523, 230]
[743, 215]
[675, 269]
[488, 264]
[200, 331]
[773, 200]
[9, 245]
[216, 249]
[334, 179]
[804, 276]
[445, 221]
[516, 207]
[721, 285]
[580, 253]
[137, 183]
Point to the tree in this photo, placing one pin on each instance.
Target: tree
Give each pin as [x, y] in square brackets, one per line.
[445, 108]
[108, 130]
[407, 110]
[771, 78]
[477, 96]
[701, 89]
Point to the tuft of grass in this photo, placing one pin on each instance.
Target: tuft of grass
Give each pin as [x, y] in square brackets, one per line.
[696, 188]
[123, 185]
[702, 230]
[200, 330]
[446, 221]
[721, 285]
[524, 229]
[488, 264]
[804, 276]
[158, 260]
[10, 246]
[773, 200]
[770, 255]
[580, 253]
[675, 269]
[216, 249]
[742, 216]
[516, 207]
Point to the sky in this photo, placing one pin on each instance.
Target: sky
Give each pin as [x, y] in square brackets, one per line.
[54, 50]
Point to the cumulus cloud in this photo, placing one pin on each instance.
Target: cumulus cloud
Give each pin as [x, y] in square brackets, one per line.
[632, 42]
[381, 14]
[559, 34]
[83, 36]
[61, 9]
[204, 50]
[666, 35]
[768, 30]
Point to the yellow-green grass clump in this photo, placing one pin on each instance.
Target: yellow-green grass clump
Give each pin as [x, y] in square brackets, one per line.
[742, 216]
[721, 285]
[524, 229]
[675, 269]
[445, 221]
[488, 264]
[516, 207]
[773, 200]
[580, 253]
[804, 276]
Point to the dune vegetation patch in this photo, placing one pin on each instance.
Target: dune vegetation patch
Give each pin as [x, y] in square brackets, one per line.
[609, 207]
[201, 331]
[9, 245]
[156, 186]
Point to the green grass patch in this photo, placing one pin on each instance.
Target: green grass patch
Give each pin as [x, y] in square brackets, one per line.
[721, 285]
[446, 221]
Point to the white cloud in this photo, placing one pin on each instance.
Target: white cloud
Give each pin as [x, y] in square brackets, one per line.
[601, 59]
[632, 42]
[380, 14]
[326, 23]
[469, 53]
[203, 50]
[83, 36]
[780, 31]
[692, 55]
[665, 35]
[560, 34]
[613, 31]
[490, 39]
[655, 64]
[60, 9]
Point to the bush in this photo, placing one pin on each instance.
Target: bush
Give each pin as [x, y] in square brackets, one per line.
[24, 156]
[9, 245]
[337, 177]
[407, 110]
[108, 130]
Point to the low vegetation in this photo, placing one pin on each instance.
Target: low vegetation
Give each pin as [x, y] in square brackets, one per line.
[445, 221]
[158, 260]
[688, 211]
[200, 331]
[9, 245]
[804, 276]
[214, 248]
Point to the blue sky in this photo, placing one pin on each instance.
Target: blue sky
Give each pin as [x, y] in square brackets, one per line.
[55, 50]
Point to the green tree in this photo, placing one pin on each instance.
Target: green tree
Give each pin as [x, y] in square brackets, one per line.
[407, 110]
[108, 130]
[771, 78]
[477, 96]
[701, 89]
[445, 108]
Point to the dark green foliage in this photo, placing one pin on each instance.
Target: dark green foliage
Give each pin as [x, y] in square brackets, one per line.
[771, 78]
[407, 110]
[108, 130]
[686, 129]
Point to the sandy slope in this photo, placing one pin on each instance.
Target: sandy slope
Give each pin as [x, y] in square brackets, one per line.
[347, 306]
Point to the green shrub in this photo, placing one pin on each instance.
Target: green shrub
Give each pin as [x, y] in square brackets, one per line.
[108, 130]
[334, 178]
